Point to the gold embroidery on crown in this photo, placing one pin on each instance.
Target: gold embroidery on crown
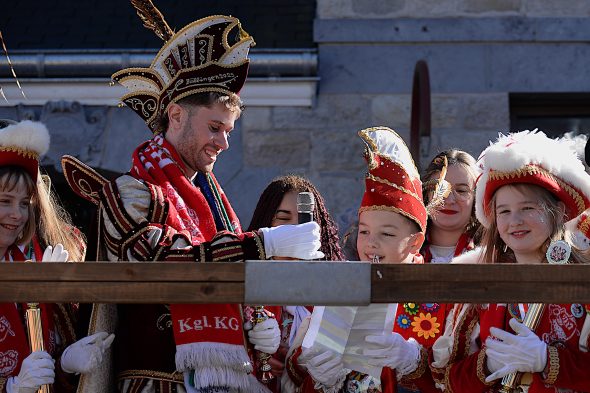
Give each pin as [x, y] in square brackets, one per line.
[402, 189]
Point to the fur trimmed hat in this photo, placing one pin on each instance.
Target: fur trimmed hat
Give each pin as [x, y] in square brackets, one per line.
[531, 157]
[21, 144]
[207, 55]
[392, 182]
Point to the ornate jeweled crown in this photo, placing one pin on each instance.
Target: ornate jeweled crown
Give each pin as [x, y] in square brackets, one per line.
[207, 55]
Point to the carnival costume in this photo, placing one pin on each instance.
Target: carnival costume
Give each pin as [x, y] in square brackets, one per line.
[21, 144]
[157, 213]
[391, 184]
[460, 363]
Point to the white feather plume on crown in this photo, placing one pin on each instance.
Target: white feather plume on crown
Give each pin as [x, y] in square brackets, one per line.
[513, 151]
[26, 135]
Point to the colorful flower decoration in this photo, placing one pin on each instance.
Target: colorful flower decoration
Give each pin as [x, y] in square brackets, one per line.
[412, 308]
[429, 307]
[403, 321]
[425, 326]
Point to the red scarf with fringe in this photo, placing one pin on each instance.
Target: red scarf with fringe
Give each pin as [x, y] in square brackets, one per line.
[210, 343]
[14, 342]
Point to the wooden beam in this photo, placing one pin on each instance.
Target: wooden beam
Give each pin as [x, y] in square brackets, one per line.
[177, 282]
[482, 283]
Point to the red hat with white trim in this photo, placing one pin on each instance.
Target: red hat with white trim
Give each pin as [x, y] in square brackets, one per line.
[22, 144]
[393, 182]
[531, 157]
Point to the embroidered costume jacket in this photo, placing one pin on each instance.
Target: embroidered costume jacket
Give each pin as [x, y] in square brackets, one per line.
[460, 359]
[58, 331]
[133, 226]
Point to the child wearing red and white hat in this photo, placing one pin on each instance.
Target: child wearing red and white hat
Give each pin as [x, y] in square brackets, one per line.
[392, 221]
[530, 186]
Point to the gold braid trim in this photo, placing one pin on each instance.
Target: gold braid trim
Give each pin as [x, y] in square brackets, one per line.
[553, 364]
[536, 170]
[395, 210]
[260, 245]
[448, 388]
[3, 383]
[26, 153]
[422, 366]
[161, 376]
[384, 181]
[584, 225]
[482, 368]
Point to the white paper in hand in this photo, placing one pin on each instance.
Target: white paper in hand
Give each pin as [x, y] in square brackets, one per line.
[343, 331]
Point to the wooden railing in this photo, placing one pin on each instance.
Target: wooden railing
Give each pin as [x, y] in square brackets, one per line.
[294, 282]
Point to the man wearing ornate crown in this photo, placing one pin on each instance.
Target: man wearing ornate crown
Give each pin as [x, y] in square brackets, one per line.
[169, 207]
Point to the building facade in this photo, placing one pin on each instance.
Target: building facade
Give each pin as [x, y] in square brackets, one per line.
[322, 70]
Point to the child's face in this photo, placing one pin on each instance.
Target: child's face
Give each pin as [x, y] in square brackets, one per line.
[14, 214]
[522, 223]
[388, 235]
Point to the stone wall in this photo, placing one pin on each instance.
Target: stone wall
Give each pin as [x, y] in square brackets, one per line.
[478, 52]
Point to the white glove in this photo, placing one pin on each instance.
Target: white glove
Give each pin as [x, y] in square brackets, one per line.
[266, 336]
[393, 351]
[37, 369]
[300, 241]
[326, 368]
[55, 254]
[86, 354]
[524, 352]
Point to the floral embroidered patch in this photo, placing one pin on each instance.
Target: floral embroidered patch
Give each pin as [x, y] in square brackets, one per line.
[426, 326]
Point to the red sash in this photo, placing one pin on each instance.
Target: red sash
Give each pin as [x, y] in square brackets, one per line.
[209, 337]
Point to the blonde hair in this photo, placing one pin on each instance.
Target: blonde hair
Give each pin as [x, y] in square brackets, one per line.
[55, 225]
[496, 251]
[47, 218]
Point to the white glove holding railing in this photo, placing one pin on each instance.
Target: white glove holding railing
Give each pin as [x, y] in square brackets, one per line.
[524, 352]
[55, 254]
[37, 369]
[393, 351]
[326, 369]
[265, 336]
[86, 354]
[300, 241]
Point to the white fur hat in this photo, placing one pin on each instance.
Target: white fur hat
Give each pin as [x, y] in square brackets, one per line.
[531, 157]
[21, 144]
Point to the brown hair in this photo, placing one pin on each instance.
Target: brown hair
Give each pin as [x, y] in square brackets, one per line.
[271, 198]
[496, 250]
[232, 101]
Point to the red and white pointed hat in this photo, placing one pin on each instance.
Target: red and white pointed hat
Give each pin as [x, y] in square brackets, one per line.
[392, 182]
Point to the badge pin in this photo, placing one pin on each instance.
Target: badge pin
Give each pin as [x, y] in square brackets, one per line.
[577, 310]
[558, 252]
